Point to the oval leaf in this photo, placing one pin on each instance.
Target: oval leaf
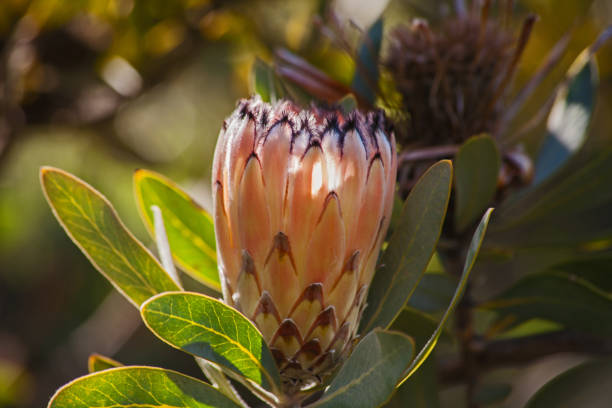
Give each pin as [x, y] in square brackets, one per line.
[559, 297]
[587, 385]
[476, 168]
[410, 248]
[569, 118]
[96, 362]
[94, 226]
[368, 378]
[135, 387]
[473, 250]
[207, 328]
[190, 229]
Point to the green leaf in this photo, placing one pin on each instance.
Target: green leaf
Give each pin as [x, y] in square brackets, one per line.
[530, 327]
[264, 82]
[587, 385]
[207, 328]
[473, 250]
[559, 297]
[420, 392]
[410, 248]
[144, 387]
[96, 362]
[569, 208]
[368, 378]
[433, 293]
[476, 168]
[190, 229]
[92, 223]
[569, 119]
[366, 74]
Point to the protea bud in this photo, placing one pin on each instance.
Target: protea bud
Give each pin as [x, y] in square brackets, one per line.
[302, 201]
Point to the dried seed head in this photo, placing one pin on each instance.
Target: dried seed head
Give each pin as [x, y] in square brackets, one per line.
[302, 200]
[454, 80]
[452, 77]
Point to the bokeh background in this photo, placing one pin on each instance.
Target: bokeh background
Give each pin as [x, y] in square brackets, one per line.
[103, 87]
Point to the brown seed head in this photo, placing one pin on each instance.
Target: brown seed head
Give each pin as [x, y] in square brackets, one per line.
[450, 77]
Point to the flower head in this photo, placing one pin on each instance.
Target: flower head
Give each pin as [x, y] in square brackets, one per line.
[302, 201]
[450, 77]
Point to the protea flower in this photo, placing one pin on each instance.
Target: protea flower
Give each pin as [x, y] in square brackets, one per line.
[302, 201]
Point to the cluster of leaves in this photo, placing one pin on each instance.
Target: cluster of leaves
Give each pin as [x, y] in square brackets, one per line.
[227, 345]
[545, 265]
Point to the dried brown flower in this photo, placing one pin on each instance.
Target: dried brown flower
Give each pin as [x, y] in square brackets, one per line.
[452, 78]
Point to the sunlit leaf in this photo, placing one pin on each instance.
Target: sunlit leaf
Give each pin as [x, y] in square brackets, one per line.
[207, 328]
[476, 167]
[189, 227]
[558, 297]
[569, 119]
[366, 74]
[96, 362]
[410, 248]
[92, 223]
[367, 379]
[263, 81]
[138, 387]
[587, 385]
[473, 250]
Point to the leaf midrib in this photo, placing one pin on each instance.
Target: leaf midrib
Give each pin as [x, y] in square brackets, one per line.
[103, 236]
[220, 334]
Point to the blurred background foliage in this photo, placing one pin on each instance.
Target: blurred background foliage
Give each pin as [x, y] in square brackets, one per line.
[103, 87]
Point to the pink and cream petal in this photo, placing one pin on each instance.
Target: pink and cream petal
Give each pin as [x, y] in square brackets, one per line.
[253, 213]
[325, 255]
